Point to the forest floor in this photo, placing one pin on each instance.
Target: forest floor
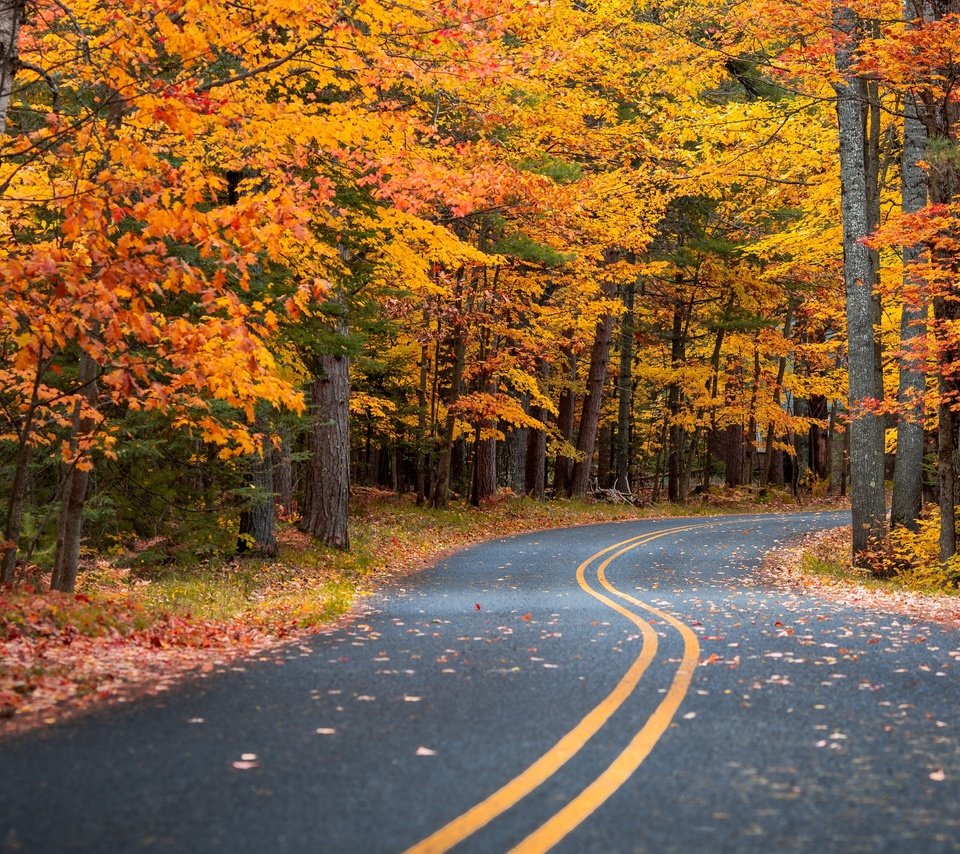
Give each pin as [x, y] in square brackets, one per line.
[152, 613]
[820, 563]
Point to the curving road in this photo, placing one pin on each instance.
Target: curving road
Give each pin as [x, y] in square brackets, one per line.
[618, 688]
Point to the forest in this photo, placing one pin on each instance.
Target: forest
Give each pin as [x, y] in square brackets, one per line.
[254, 256]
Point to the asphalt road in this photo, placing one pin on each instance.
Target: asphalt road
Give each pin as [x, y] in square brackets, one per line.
[663, 702]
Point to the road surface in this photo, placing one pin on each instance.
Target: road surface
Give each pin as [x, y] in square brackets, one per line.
[628, 687]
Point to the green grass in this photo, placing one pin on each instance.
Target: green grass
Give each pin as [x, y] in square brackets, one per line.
[310, 584]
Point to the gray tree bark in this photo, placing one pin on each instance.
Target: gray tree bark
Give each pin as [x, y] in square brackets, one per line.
[860, 276]
[327, 494]
[590, 413]
[11, 17]
[908, 466]
[484, 471]
[517, 442]
[624, 395]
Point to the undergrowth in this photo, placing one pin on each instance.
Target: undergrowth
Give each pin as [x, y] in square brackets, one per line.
[139, 584]
[912, 558]
[902, 560]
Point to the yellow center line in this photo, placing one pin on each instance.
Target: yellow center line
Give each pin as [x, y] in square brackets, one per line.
[621, 769]
[550, 762]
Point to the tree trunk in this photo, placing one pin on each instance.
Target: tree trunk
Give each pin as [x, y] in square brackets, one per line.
[624, 395]
[66, 559]
[11, 17]
[733, 454]
[536, 464]
[517, 442]
[592, 401]
[941, 118]
[750, 440]
[258, 520]
[484, 471]
[441, 491]
[283, 473]
[908, 463]
[563, 465]
[866, 428]
[768, 455]
[818, 436]
[675, 433]
[21, 473]
[423, 460]
[327, 494]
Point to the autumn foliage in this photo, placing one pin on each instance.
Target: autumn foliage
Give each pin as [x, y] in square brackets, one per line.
[561, 248]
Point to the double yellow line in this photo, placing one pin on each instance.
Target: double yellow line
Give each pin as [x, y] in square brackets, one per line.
[619, 771]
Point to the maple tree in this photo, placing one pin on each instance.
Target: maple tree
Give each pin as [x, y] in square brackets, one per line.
[451, 247]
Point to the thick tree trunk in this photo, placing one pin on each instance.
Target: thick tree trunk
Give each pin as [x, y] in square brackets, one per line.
[866, 428]
[516, 462]
[592, 401]
[484, 471]
[11, 17]
[66, 559]
[327, 493]
[908, 465]
[258, 520]
[516, 474]
[733, 455]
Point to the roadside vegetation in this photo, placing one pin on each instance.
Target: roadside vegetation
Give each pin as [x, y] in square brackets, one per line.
[148, 612]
